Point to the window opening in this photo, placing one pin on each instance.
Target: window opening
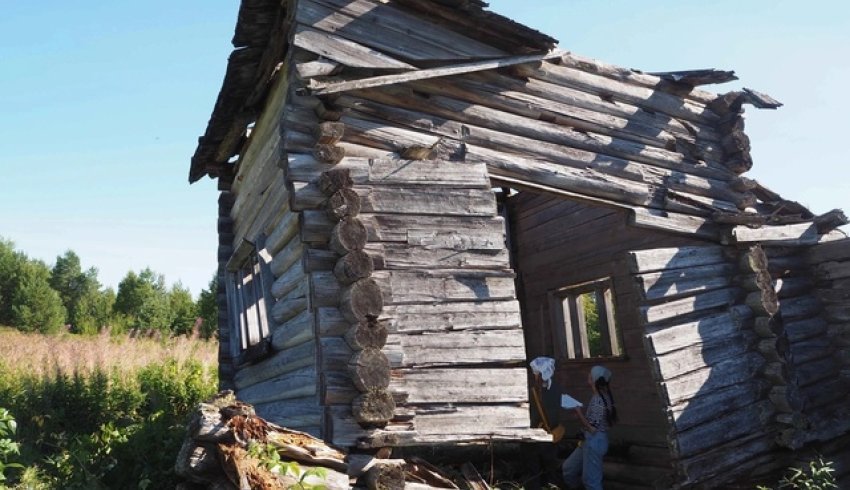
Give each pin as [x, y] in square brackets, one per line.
[585, 321]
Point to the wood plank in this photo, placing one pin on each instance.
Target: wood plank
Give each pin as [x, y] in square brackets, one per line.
[705, 408]
[400, 287]
[394, 172]
[670, 222]
[401, 257]
[725, 373]
[418, 386]
[456, 233]
[295, 413]
[389, 29]
[342, 50]
[796, 234]
[685, 306]
[465, 347]
[430, 200]
[282, 362]
[725, 428]
[612, 89]
[706, 330]
[675, 258]
[295, 384]
[436, 317]
[427, 73]
[677, 282]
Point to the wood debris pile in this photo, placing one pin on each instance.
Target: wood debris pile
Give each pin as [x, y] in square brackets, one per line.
[227, 446]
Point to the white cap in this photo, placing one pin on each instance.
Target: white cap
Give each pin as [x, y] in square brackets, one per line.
[597, 372]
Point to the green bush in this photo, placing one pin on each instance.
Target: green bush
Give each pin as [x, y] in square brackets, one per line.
[104, 430]
[817, 475]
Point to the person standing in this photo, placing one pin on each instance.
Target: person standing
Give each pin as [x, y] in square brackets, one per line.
[584, 465]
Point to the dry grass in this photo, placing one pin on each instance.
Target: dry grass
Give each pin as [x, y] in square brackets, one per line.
[38, 354]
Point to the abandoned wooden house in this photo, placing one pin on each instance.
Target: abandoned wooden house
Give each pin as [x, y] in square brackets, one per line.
[420, 196]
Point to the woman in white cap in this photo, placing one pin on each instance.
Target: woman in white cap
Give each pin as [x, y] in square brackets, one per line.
[584, 465]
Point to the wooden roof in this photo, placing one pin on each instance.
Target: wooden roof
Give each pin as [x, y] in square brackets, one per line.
[261, 39]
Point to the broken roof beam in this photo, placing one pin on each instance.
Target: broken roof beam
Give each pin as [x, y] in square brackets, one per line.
[317, 88]
[694, 78]
[796, 234]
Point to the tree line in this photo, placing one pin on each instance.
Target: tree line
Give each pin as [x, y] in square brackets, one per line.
[35, 297]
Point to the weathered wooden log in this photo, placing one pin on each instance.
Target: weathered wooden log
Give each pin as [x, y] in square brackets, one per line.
[708, 330]
[347, 236]
[661, 259]
[287, 256]
[830, 220]
[704, 301]
[374, 408]
[830, 271]
[325, 289]
[473, 478]
[283, 233]
[767, 327]
[285, 361]
[353, 266]
[329, 133]
[763, 302]
[657, 285]
[343, 203]
[330, 322]
[316, 259]
[361, 301]
[797, 234]
[316, 227]
[331, 154]
[296, 384]
[371, 334]
[830, 251]
[307, 195]
[770, 349]
[294, 332]
[723, 428]
[785, 399]
[285, 309]
[370, 370]
[198, 462]
[801, 307]
[334, 180]
[288, 280]
[385, 475]
[776, 372]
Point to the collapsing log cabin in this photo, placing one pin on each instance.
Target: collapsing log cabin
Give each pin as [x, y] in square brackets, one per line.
[420, 196]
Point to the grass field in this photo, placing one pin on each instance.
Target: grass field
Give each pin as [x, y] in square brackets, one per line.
[101, 411]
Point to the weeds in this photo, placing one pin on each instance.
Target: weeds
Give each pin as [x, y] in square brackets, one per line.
[114, 420]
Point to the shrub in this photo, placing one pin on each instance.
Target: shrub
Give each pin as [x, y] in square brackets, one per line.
[100, 428]
[817, 475]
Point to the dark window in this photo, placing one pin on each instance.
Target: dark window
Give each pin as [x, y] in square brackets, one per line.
[585, 323]
[248, 287]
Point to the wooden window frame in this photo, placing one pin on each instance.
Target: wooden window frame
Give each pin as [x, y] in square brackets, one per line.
[248, 288]
[570, 329]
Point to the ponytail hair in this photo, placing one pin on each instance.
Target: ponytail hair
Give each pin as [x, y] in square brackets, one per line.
[604, 390]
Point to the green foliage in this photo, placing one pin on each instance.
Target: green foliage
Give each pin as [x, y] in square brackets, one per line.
[269, 459]
[36, 307]
[105, 430]
[88, 307]
[817, 475]
[10, 265]
[182, 309]
[591, 319]
[94, 311]
[208, 309]
[8, 447]
[143, 299]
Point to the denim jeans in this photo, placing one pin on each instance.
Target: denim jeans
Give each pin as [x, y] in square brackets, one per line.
[585, 463]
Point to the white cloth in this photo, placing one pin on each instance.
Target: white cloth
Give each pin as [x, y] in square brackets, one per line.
[545, 367]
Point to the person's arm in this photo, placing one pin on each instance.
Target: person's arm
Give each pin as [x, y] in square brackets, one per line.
[585, 424]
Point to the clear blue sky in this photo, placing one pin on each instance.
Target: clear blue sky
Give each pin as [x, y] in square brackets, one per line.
[101, 104]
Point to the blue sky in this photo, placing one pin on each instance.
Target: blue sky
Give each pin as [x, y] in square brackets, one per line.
[101, 104]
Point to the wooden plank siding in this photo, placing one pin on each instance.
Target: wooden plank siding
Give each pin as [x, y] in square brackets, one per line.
[559, 243]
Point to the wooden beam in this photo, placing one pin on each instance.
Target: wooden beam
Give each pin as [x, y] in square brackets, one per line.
[317, 88]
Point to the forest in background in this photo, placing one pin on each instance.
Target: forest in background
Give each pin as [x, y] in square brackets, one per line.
[36, 297]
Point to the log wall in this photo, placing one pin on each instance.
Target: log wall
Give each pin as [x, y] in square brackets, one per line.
[559, 243]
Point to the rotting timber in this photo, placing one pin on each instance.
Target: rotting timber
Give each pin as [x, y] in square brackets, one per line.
[358, 146]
